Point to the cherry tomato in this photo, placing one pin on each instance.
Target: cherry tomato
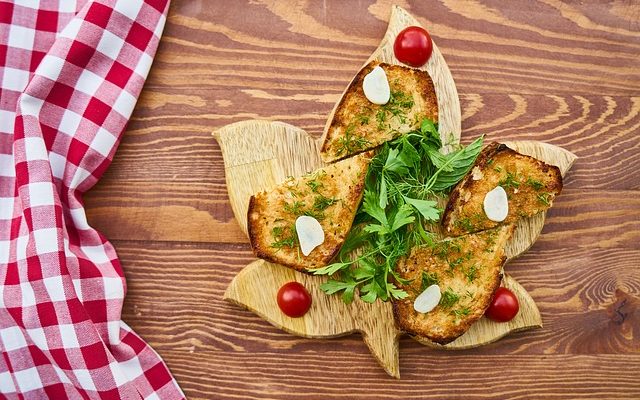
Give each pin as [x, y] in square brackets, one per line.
[413, 46]
[504, 306]
[293, 299]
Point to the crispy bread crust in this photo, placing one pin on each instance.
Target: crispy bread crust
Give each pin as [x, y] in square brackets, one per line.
[464, 212]
[442, 325]
[354, 104]
[343, 181]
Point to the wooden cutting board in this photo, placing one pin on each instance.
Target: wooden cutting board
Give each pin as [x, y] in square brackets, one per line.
[260, 154]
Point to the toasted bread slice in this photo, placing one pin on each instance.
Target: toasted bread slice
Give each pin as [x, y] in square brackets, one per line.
[467, 270]
[331, 195]
[531, 187]
[360, 125]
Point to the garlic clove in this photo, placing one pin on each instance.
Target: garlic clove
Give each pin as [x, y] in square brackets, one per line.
[427, 300]
[376, 86]
[476, 173]
[310, 233]
[496, 204]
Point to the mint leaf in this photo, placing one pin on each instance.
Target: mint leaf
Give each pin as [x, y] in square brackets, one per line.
[430, 133]
[439, 160]
[461, 162]
[408, 155]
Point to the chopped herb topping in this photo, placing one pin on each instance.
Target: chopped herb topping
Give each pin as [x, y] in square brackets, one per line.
[296, 208]
[319, 215]
[443, 248]
[470, 223]
[465, 223]
[315, 185]
[349, 143]
[398, 105]
[461, 312]
[535, 184]
[277, 231]
[511, 181]
[455, 263]
[363, 119]
[491, 241]
[449, 298]
[471, 273]
[285, 237]
[544, 198]
[321, 203]
[381, 117]
[428, 280]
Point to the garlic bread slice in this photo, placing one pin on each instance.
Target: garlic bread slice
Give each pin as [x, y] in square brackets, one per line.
[359, 125]
[467, 270]
[530, 185]
[330, 195]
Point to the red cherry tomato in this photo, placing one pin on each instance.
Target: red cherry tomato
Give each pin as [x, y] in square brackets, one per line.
[293, 299]
[504, 306]
[413, 46]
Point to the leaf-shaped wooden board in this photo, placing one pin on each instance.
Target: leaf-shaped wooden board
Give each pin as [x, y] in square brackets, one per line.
[259, 154]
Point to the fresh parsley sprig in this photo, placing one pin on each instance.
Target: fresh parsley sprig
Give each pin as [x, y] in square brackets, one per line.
[403, 182]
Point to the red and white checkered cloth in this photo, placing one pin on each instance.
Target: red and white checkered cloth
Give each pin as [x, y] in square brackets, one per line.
[70, 74]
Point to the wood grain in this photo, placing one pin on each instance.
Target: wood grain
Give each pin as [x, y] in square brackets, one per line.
[565, 73]
[168, 143]
[168, 300]
[181, 312]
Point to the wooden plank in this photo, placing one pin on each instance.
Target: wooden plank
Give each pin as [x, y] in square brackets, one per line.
[307, 374]
[528, 47]
[169, 139]
[193, 212]
[175, 300]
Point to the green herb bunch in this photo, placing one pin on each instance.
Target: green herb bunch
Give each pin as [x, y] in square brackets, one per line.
[403, 181]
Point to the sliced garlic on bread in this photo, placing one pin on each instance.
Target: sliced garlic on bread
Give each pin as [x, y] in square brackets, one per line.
[375, 86]
[496, 204]
[428, 299]
[310, 233]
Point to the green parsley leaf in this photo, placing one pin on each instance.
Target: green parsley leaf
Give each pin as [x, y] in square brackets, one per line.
[427, 208]
[402, 217]
[331, 268]
[372, 207]
[394, 163]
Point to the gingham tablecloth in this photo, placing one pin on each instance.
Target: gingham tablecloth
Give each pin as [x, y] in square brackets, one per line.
[70, 74]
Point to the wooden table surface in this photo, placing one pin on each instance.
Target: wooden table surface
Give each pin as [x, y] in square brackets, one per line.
[564, 73]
